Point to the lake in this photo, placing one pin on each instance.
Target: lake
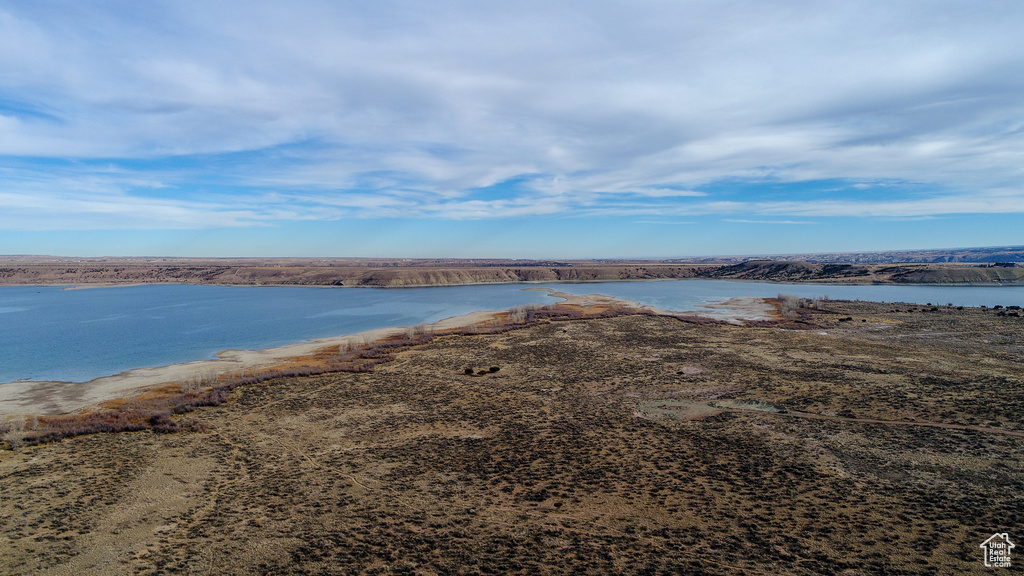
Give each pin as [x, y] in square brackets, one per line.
[48, 333]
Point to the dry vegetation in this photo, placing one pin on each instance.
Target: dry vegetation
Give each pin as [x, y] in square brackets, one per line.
[840, 273]
[878, 439]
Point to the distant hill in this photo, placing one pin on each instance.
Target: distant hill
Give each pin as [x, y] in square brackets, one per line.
[786, 271]
[965, 255]
[904, 273]
[994, 265]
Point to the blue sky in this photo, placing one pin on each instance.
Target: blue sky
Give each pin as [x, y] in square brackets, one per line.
[554, 129]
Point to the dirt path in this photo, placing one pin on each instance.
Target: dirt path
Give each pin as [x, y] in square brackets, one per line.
[811, 416]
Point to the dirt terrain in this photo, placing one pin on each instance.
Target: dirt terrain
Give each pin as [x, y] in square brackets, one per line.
[409, 273]
[992, 254]
[324, 272]
[904, 273]
[864, 439]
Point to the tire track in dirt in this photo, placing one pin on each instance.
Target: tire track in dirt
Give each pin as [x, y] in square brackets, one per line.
[812, 416]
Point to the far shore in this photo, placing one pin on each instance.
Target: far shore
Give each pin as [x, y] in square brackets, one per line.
[410, 273]
[818, 282]
[28, 397]
[101, 285]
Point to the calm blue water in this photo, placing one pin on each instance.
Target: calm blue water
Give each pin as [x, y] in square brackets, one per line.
[47, 333]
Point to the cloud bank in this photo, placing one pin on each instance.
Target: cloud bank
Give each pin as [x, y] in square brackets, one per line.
[198, 114]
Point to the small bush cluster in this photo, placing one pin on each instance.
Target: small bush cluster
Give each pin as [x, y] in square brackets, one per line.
[154, 414]
[523, 313]
[790, 303]
[700, 320]
[53, 429]
[482, 372]
[413, 331]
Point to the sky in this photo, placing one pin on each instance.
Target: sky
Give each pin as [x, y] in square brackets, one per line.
[554, 129]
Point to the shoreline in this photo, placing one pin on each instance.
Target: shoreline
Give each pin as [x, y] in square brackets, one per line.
[22, 398]
[421, 272]
[780, 283]
[825, 282]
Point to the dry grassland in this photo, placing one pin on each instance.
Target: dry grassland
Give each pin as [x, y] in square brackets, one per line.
[629, 445]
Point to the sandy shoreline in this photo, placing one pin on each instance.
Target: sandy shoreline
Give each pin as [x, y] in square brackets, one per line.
[28, 397]
[736, 310]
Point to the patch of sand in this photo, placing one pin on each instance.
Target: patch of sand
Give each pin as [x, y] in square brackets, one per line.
[733, 310]
[738, 310]
[104, 285]
[591, 300]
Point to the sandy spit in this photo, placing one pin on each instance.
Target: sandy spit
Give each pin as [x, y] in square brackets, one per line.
[736, 310]
[29, 397]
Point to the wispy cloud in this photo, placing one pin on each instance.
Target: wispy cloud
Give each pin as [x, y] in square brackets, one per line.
[667, 222]
[395, 109]
[744, 221]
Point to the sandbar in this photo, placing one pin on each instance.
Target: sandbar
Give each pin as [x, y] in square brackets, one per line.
[738, 310]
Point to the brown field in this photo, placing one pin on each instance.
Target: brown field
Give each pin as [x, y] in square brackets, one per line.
[874, 439]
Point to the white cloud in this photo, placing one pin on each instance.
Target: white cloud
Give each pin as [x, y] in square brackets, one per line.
[83, 212]
[745, 221]
[392, 108]
[667, 222]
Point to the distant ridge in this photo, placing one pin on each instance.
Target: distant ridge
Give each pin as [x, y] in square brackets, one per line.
[979, 255]
[963, 255]
[1002, 265]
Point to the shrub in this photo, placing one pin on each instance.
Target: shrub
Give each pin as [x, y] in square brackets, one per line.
[189, 403]
[162, 423]
[523, 313]
[414, 331]
[811, 303]
[78, 425]
[193, 425]
[789, 304]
